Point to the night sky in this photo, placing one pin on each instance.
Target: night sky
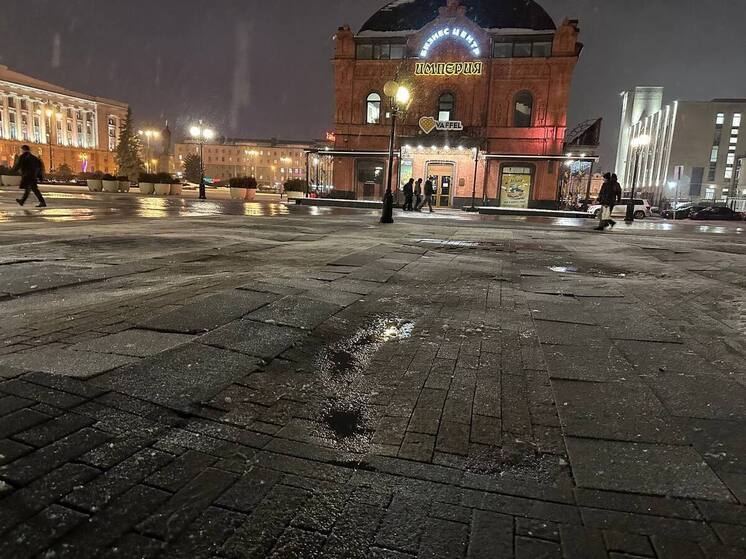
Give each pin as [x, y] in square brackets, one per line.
[260, 69]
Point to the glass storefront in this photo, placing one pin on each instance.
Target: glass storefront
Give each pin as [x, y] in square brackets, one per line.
[369, 175]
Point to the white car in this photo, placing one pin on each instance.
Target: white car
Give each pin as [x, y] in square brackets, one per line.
[642, 209]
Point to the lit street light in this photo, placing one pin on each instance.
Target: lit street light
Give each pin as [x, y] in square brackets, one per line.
[50, 113]
[400, 99]
[148, 134]
[638, 144]
[201, 134]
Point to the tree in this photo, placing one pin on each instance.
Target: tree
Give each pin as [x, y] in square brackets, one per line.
[193, 168]
[64, 172]
[128, 150]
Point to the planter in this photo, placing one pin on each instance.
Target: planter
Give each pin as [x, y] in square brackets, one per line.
[238, 193]
[176, 189]
[146, 188]
[294, 194]
[11, 180]
[110, 186]
[124, 186]
[162, 189]
[250, 194]
[95, 185]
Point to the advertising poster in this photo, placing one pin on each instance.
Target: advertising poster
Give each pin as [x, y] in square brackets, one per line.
[515, 188]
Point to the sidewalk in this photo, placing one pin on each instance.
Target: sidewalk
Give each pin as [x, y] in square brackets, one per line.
[326, 387]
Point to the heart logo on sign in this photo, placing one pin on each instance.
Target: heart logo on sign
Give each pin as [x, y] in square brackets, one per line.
[428, 124]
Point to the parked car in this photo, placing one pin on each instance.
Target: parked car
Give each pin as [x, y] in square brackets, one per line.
[683, 210]
[642, 209]
[720, 213]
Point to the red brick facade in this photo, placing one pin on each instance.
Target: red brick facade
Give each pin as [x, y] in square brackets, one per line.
[485, 104]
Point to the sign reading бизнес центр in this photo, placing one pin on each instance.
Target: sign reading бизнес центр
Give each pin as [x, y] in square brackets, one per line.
[448, 69]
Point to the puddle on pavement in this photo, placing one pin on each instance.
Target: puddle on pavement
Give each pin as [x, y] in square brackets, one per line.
[353, 355]
[345, 416]
[345, 423]
[518, 460]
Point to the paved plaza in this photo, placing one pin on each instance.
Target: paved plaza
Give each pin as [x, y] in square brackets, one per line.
[218, 380]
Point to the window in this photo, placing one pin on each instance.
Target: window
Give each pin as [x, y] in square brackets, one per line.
[365, 52]
[731, 159]
[2, 125]
[720, 119]
[542, 50]
[737, 120]
[714, 154]
[445, 107]
[502, 50]
[524, 106]
[381, 51]
[373, 109]
[522, 50]
[12, 102]
[734, 140]
[728, 173]
[711, 172]
[397, 52]
[37, 129]
[24, 105]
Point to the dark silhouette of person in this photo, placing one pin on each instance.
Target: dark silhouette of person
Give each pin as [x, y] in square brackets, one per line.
[429, 193]
[610, 196]
[31, 172]
[418, 195]
[408, 195]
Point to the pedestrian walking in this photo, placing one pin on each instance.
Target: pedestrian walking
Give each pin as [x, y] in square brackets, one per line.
[418, 195]
[610, 196]
[31, 173]
[408, 195]
[429, 192]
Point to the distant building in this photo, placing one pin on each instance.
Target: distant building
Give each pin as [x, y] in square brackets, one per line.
[694, 147]
[83, 129]
[271, 162]
[487, 78]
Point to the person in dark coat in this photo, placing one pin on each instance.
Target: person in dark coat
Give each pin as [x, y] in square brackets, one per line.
[31, 172]
[429, 193]
[418, 195]
[617, 195]
[609, 196]
[408, 195]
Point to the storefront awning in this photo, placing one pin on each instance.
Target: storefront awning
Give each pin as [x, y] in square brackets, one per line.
[514, 157]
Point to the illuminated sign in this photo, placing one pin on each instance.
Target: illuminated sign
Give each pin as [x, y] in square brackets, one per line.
[428, 124]
[448, 69]
[331, 137]
[456, 33]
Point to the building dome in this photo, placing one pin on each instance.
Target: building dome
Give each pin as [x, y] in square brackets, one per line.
[412, 15]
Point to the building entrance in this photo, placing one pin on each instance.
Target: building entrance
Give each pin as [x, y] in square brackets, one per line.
[442, 175]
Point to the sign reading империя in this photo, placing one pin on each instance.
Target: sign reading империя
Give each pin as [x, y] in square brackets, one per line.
[448, 69]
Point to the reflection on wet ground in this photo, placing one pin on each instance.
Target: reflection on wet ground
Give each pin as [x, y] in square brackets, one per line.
[341, 371]
[83, 206]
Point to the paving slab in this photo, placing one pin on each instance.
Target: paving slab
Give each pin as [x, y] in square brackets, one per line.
[652, 356]
[136, 343]
[209, 313]
[300, 312]
[58, 361]
[180, 377]
[254, 338]
[625, 410]
[656, 469]
[588, 363]
[704, 396]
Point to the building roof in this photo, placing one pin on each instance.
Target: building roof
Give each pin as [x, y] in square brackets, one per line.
[412, 15]
[14, 77]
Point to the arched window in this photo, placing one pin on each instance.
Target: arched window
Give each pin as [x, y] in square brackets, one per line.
[445, 107]
[373, 109]
[524, 109]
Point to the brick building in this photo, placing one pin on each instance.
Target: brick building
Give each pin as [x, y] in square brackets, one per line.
[81, 130]
[490, 83]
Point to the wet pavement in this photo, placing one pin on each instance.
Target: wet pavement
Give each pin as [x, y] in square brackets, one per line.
[189, 379]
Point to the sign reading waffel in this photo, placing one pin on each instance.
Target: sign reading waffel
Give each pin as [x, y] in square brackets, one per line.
[448, 69]
[428, 124]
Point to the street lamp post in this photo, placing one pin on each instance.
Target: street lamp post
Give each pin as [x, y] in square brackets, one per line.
[474, 186]
[201, 134]
[400, 98]
[638, 144]
[50, 113]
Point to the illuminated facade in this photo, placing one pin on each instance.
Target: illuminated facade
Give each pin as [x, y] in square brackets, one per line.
[694, 146]
[490, 83]
[83, 130]
[271, 162]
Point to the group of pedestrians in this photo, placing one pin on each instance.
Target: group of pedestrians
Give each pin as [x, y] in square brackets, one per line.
[413, 200]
